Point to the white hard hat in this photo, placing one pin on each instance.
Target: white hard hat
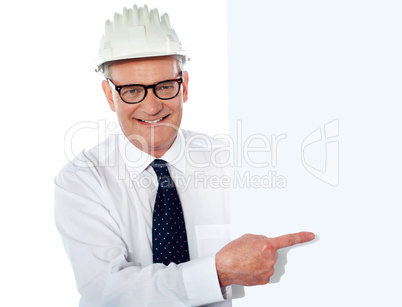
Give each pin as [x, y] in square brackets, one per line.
[138, 33]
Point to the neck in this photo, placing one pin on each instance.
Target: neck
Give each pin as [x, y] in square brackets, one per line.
[156, 152]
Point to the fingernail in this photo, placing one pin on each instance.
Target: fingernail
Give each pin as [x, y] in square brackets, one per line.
[311, 236]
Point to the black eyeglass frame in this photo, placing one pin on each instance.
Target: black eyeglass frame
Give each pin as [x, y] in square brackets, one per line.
[146, 87]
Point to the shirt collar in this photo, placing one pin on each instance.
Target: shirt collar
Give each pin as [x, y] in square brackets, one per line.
[137, 161]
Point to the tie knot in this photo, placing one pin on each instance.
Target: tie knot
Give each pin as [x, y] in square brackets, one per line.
[158, 163]
[162, 172]
[160, 167]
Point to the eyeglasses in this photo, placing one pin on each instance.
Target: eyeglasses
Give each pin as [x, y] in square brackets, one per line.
[135, 93]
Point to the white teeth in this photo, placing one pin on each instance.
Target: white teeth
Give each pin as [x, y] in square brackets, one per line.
[153, 121]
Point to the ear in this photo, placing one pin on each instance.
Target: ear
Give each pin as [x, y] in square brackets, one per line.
[107, 89]
[185, 86]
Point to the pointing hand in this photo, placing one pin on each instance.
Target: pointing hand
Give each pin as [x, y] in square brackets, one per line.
[250, 259]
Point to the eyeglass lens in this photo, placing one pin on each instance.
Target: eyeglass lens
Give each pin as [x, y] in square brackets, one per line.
[163, 90]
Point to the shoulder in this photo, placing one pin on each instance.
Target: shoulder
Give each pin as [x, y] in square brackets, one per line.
[198, 139]
[202, 148]
[87, 167]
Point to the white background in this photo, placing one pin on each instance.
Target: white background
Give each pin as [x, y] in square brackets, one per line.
[48, 85]
[294, 66]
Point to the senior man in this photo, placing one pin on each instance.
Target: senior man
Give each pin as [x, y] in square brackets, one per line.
[134, 233]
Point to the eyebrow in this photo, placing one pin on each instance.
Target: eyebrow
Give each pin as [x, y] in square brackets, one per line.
[180, 76]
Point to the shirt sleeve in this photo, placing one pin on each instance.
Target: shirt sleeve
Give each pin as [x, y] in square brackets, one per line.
[99, 257]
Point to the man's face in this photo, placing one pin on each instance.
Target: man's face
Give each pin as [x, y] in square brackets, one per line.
[152, 138]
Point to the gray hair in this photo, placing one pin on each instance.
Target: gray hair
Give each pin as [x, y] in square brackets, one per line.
[104, 69]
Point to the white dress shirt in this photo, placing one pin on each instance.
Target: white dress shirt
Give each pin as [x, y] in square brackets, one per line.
[103, 208]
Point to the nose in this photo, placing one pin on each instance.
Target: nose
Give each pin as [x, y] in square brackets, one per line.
[151, 104]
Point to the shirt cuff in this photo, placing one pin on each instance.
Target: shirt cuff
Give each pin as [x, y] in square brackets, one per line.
[201, 281]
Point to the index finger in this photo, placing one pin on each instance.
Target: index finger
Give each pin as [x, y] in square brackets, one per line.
[292, 239]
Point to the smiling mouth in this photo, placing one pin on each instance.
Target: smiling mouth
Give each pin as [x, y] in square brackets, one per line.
[153, 121]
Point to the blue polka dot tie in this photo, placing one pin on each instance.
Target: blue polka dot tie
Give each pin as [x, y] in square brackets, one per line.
[169, 238]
